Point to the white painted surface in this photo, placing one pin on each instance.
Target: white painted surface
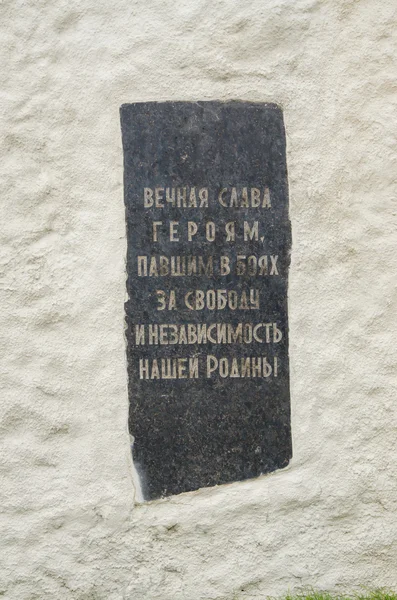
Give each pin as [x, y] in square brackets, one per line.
[69, 528]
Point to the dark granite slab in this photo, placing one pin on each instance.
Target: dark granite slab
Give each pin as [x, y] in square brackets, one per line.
[207, 330]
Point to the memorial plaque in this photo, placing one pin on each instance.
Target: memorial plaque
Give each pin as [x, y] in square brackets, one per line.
[209, 241]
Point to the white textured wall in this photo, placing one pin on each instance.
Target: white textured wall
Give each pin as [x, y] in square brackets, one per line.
[69, 529]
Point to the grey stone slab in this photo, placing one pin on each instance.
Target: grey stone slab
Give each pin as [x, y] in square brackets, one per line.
[209, 242]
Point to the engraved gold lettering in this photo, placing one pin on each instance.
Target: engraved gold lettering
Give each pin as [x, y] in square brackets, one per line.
[156, 224]
[174, 231]
[143, 368]
[147, 197]
[191, 230]
[142, 266]
[210, 231]
[225, 265]
[139, 335]
[170, 197]
[203, 195]
[221, 197]
[158, 197]
[192, 198]
[230, 230]
[273, 270]
[251, 233]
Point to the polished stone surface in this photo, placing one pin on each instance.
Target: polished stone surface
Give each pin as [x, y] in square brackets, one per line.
[209, 241]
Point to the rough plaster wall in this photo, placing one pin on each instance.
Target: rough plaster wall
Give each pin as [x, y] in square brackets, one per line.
[69, 528]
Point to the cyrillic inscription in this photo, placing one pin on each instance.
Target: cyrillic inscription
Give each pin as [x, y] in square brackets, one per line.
[209, 240]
